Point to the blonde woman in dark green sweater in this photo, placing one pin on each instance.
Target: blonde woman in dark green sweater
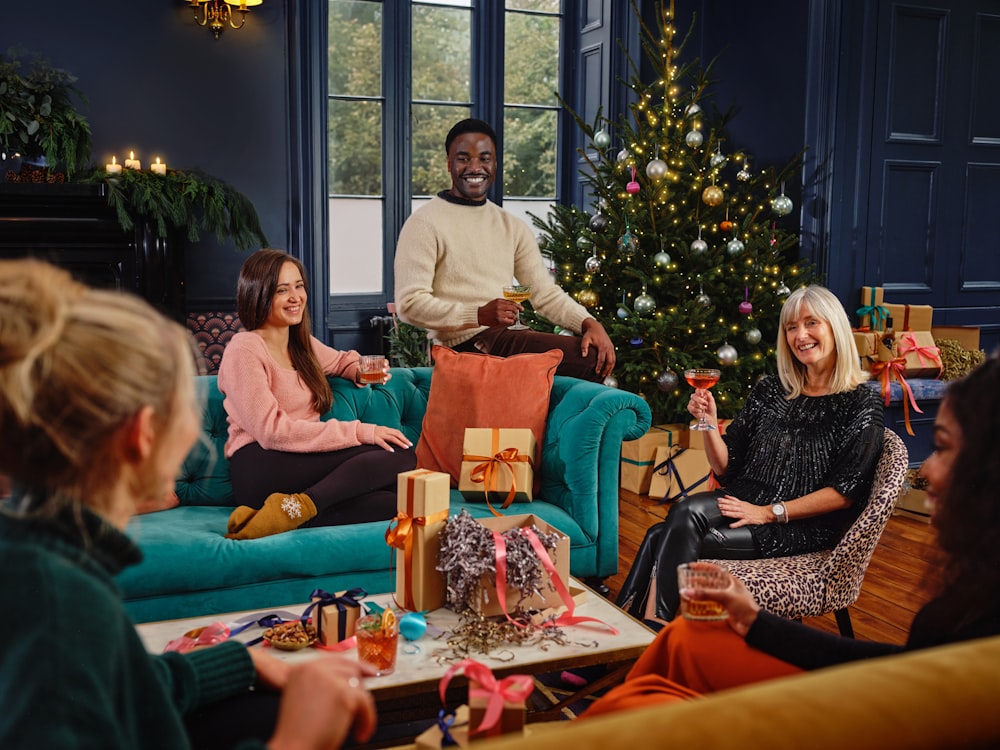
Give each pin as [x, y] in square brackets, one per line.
[97, 412]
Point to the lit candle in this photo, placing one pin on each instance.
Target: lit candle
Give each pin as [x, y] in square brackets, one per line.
[114, 167]
[131, 162]
[158, 167]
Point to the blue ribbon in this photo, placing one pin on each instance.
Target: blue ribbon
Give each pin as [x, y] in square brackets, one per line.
[667, 468]
[321, 599]
[445, 719]
[267, 621]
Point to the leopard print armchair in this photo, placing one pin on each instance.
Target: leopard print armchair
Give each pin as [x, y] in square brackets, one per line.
[829, 581]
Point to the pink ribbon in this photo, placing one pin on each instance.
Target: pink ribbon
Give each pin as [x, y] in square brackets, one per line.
[908, 344]
[567, 617]
[210, 635]
[513, 689]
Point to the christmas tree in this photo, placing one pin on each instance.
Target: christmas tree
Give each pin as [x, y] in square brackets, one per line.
[688, 252]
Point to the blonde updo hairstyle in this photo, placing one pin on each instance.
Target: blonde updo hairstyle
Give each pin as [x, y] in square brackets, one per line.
[76, 364]
[822, 304]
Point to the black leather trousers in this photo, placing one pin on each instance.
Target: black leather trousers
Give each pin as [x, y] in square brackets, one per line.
[694, 529]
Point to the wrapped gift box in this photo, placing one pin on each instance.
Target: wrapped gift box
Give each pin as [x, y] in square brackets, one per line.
[336, 620]
[422, 510]
[922, 359]
[433, 738]
[486, 602]
[910, 317]
[872, 313]
[689, 472]
[637, 455]
[497, 459]
[512, 716]
[966, 336]
[866, 342]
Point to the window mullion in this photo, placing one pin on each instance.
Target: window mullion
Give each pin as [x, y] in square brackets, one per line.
[397, 89]
[488, 73]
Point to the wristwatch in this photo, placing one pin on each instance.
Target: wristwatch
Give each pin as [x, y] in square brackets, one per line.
[780, 515]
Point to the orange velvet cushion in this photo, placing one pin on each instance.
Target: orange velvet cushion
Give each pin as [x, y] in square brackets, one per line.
[480, 390]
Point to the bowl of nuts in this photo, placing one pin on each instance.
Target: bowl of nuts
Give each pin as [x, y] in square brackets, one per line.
[291, 636]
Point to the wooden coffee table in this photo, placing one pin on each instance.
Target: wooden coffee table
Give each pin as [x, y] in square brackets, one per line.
[410, 692]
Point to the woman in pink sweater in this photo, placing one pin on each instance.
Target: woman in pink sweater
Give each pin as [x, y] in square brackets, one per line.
[288, 467]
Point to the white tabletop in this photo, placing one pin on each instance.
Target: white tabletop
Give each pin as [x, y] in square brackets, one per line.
[420, 664]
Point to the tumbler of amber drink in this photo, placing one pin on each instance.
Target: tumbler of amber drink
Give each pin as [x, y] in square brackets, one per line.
[701, 578]
[377, 645]
[370, 369]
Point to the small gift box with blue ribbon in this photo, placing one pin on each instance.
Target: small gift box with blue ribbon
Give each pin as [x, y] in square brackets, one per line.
[335, 615]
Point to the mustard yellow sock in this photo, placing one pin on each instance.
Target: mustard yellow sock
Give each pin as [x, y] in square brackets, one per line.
[239, 517]
[282, 511]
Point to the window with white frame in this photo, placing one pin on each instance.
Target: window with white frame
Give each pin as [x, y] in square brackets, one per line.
[399, 76]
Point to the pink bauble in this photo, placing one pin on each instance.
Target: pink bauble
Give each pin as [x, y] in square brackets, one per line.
[746, 308]
[632, 188]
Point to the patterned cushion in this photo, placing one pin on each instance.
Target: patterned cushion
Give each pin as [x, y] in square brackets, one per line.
[820, 582]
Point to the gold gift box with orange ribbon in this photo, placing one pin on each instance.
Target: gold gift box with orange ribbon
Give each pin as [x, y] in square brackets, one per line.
[497, 465]
[422, 511]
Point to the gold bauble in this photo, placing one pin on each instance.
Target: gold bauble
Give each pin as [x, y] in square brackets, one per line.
[588, 297]
[712, 195]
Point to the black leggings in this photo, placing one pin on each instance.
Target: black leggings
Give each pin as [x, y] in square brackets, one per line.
[501, 342]
[694, 529]
[352, 485]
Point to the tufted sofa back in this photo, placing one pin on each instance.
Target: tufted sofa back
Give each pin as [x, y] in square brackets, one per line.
[400, 403]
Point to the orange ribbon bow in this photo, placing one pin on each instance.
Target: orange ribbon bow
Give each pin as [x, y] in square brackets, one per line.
[488, 472]
[884, 372]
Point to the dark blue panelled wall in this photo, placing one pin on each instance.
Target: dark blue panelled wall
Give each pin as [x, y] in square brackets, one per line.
[896, 103]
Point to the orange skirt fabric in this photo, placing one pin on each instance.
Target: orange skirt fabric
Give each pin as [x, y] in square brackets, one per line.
[690, 658]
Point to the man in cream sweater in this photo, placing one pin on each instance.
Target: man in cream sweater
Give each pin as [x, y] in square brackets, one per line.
[455, 255]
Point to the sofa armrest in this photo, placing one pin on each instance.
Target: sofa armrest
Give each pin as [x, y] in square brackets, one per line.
[581, 454]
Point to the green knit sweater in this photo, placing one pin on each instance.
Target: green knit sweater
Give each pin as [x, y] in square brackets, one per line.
[454, 256]
[73, 671]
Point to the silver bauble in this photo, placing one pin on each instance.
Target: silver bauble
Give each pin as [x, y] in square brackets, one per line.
[644, 304]
[623, 155]
[694, 139]
[718, 159]
[592, 264]
[602, 139]
[734, 247]
[782, 205]
[583, 241]
[743, 175]
[656, 169]
[598, 222]
[667, 380]
[699, 246]
[753, 336]
[661, 259]
[692, 110]
[611, 381]
[542, 241]
[727, 354]
[783, 290]
[704, 300]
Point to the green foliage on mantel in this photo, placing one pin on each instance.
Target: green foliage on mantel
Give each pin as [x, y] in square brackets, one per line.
[182, 200]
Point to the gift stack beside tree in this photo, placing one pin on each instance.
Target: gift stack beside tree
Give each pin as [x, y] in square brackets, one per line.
[688, 249]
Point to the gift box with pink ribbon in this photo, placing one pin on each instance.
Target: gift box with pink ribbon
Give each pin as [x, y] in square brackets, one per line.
[497, 465]
[495, 707]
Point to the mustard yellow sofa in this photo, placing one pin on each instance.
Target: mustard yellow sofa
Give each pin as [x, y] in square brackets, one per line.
[947, 697]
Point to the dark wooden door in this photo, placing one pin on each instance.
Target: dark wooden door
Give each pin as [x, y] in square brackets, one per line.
[933, 166]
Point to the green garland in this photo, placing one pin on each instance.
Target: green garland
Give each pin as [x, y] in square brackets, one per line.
[182, 199]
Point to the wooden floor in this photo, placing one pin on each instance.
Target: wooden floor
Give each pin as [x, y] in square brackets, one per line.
[892, 591]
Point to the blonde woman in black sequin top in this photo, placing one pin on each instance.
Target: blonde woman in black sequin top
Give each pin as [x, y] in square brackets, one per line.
[795, 466]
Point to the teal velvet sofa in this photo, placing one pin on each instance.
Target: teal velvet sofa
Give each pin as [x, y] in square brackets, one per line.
[189, 568]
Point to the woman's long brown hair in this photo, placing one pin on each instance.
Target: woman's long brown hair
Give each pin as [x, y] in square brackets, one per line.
[254, 296]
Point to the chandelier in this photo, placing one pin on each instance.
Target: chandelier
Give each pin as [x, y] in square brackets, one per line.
[217, 13]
